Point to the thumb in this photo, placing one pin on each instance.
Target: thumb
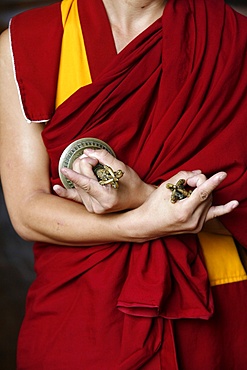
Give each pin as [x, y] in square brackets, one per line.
[71, 194]
[102, 155]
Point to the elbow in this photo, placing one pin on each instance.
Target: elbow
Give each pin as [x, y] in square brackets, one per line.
[26, 215]
[22, 229]
[25, 233]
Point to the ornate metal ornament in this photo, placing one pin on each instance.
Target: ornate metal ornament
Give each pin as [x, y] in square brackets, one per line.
[178, 190]
[105, 174]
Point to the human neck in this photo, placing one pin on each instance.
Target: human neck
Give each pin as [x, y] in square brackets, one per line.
[129, 18]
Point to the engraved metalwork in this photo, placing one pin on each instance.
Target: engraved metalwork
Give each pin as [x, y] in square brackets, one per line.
[74, 151]
[178, 191]
[106, 175]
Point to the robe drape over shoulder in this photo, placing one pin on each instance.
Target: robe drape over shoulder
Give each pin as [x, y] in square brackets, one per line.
[173, 99]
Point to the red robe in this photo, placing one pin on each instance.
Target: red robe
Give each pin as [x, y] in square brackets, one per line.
[174, 98]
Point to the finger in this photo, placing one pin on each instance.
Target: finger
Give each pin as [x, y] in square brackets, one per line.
[216, 211]
[187, 175]
[65, 193]
[84, 165]
[86, 184]
[79, 180]
[103, 156]
[196, 172]
[59, 190]
[205, 187]
[196, 180]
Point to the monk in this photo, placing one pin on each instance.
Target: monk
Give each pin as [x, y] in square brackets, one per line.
[129, 277]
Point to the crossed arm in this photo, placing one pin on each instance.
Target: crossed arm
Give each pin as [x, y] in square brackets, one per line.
[37, 214]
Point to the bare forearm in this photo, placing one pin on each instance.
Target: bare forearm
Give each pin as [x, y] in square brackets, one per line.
[38, 215]
[48, 218]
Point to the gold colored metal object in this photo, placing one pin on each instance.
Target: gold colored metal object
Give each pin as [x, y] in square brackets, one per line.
[104, 174]
[178, 191]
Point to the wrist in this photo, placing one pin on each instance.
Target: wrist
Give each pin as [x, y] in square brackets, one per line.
[134, 226]
[142, 194]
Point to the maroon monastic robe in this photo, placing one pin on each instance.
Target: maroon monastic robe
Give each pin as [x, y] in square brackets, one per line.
[174, 98]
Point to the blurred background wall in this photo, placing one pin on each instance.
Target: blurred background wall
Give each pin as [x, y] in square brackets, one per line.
[8, 8]
[16, 260]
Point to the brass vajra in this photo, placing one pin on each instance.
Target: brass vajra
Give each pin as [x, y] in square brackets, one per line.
[106, 175]
[178, 190]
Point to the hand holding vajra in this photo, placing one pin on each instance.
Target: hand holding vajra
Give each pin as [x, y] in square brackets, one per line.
[122, 187]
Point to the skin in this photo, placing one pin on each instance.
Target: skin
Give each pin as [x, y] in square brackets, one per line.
[129, 18]
[146, 212]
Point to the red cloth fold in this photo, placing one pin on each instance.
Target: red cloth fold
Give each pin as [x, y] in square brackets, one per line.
[180, 93]
[172, 99]
[36, 59]
[161, 105]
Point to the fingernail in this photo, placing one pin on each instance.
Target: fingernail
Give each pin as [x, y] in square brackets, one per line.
[83, 156]
[235, 204]
[223, 176]
[64, 170]
[56, 188]
[196, 171]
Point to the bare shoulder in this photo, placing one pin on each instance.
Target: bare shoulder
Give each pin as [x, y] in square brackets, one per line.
[6, 68]
[4, 36]
[5, 60]
[8, 90]
[13, 123]
[23, 159]
[5, 52]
